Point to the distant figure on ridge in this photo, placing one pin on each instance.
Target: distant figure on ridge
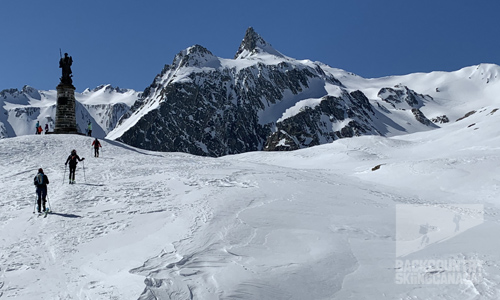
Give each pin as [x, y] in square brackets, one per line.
[73, 159]
[46, 128]
[41, 180]
[36, 127]
[96, 145]
[89, 129]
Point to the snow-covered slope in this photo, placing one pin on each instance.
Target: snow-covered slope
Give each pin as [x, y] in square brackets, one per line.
[103, 106]
[316, 223]
[454, 93]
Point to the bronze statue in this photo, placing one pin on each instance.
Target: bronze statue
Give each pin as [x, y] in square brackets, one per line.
[65, 64]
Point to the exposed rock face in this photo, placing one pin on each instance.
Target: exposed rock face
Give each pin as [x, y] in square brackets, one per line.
[419, 116]
[470, 113]
[107, 116]
[260, 100]
[401, 97]
[214, 109]
[20, 96]
[440, 119]
[333, 118]
[254, 44]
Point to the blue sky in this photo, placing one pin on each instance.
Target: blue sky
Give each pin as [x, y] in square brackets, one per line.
[126, 43]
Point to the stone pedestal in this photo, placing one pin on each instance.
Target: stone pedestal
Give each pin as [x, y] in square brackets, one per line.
[65, 111]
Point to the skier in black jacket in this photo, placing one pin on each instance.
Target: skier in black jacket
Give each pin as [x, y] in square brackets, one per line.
[73, 159]
[41, 180]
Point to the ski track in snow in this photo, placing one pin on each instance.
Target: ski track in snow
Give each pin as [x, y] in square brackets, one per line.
[117, 193]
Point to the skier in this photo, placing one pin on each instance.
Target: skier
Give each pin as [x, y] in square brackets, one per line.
[96, 145]
[46, 128]
[73, 159]
[37, 125]
[41, 180]
[89, 130]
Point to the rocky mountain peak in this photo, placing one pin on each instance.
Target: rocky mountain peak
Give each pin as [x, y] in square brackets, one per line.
[20, 96]
[195, 56]
[31, 91]
[253, 44]
[107, 88]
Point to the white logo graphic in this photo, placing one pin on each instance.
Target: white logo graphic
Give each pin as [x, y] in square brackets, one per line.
[419, 226]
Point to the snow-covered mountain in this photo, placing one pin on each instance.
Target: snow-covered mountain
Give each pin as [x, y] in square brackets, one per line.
[362, 218]
[103, 106]
[260, 100]
[264, 100]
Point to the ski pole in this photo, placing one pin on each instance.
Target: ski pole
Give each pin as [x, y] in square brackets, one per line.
[64, 173]
[34, 206]
[48, 202]
[84, 172]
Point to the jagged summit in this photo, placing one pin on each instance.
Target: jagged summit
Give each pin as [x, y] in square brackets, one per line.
[21, 97]
[253, 44]
[106, 88]
[195, 56]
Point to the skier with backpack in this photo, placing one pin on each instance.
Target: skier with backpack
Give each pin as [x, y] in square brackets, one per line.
[96, 145]
[41, 180]
[73, 159]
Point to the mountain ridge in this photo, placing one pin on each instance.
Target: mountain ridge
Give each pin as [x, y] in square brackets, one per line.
[206, 105]
[262, 90]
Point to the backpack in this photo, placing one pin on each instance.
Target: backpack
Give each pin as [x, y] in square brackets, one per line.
[72, 159]
[39, 179]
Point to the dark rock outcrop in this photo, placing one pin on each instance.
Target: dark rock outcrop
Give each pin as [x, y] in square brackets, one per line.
[215, 110]
[333, 118]
[440, 119]
[401, 97]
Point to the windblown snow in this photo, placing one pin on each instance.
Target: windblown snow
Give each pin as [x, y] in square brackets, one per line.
[408, 217]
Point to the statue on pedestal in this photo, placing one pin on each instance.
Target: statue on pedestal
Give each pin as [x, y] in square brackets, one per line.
[65, 64]
[66, 102]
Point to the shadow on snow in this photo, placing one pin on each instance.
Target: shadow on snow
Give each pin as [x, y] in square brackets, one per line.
[65, 215]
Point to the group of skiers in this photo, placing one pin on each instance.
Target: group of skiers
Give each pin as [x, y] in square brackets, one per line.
[39, 130]
[41, 180]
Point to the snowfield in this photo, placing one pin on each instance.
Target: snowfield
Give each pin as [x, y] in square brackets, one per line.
[317, 223]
